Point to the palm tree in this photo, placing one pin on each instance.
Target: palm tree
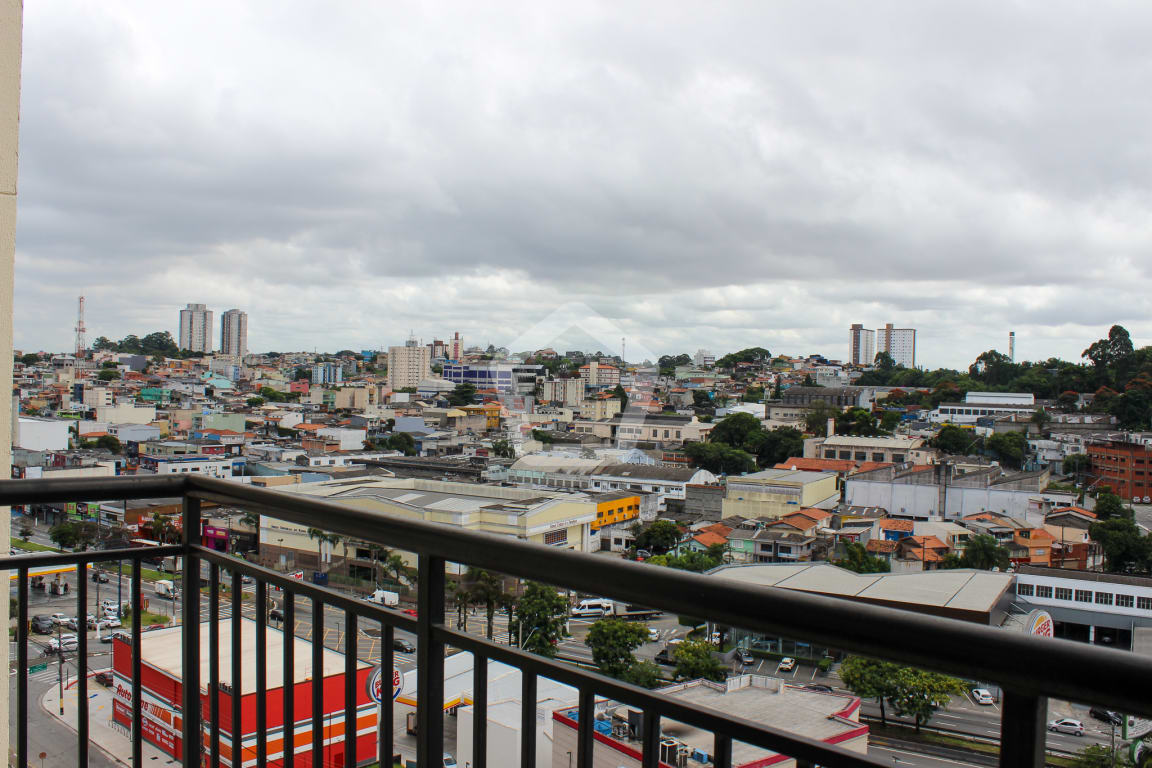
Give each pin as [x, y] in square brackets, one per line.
[322, 538]
[394, 564]
[487, 589]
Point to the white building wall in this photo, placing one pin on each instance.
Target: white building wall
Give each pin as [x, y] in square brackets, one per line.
[350, 439]
[42, 435]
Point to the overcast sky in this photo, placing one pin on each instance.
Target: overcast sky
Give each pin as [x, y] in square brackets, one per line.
[713, 175]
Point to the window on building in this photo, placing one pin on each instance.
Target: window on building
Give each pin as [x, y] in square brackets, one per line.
[1024, 589]
[861, 456]
[877, 457]
[1144, 603]
[898, 458]
[555, 538]
[845, 454]
[1043, 591]
[829, 454]
[1124, 601]
[1103, 598]
[1063, 593]
[1083, 596]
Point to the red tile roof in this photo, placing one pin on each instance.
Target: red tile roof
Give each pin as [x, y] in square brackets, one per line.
[888, 524]
[879, 545]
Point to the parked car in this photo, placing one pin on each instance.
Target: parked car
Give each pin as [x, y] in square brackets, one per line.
[653, 634]
[787, 664]
[449, 761]
[59, 618]
[745, 656]
[818, 687]
[411, 612]
[110, 622]
[42, 624]
[108, 603]
[100, 577]
[126, 637]
[1107, 716]
[1067, 725]
[104, 677]
[402, 645]
[64, 643]
[982, 696]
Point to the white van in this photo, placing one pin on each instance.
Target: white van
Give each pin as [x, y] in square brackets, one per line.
[596, 606]
[384, 597]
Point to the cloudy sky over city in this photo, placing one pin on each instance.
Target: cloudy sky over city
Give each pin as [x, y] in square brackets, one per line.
[713, 175]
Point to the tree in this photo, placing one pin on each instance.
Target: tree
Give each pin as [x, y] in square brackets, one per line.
[321, 538]
[30, 359]
[870, 679]
[984, 553]
[734, 429]
[394, 566]
[1076, 464]
[26, 532]
[817, 415]
[255, 402]
[109, 443]
[642, 673]
[108, 374]
[538, 622]
[701, 399]
[1103, 756]
[719, 458]
[622, 396]
[775, 446]
[659, 537]
[65, 535]
[159, 343]
[858, 422]
[1108, 506]
[694, 660]
[1010, 448]
[503, 449]
[463, 394]
[487, 589]
[857, 559]
[919, 693]
[401, 441]
[103, 343]
[954, 440]
[1125, 549]
[612, 642]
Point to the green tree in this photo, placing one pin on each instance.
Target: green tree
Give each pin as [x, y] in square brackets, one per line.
[487, 589]
[1076, 464]
[817, 415]
[1108, 506]
[108, 374]
[463, 394]
[775, 446]
[65, 535]
[857, 422]
[103, 343]
[26, 532]
[159, 343]
[983, 553]
[612, 642]
[694, 660]
[255, 402]
[954, 440]
[659, 536]
[539, 619]
[719, 458]
[321, 539]
[503, 449]
[856, 558]
[870, 679]
[919, 693]
[642, 673]
[401, 441]
[669, 363]
[750, 355]
[30, 359]
[701, 399]
[753, 395]
[1103, 756]
[1010, 448]
[622, 396]
[1125, 549]
[109, 443]
[734, 429]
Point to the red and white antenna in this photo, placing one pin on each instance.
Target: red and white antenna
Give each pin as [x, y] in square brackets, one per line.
[80, 329]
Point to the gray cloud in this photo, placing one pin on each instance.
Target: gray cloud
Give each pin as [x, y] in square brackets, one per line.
[722, 176]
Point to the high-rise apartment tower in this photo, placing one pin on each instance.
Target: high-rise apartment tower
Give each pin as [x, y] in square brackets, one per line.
[861, 345]
[196, 328]
[234, 333]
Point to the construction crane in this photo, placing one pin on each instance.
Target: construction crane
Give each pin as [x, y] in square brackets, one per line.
[80, 329]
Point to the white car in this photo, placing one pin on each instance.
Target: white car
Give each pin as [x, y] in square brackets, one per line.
[1067, 725]
[59, 618]
[653, 635]
[65, 643]
[787, 664]
[110, 622]
[982, 696]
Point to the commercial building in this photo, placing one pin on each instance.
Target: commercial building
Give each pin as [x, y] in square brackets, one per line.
[1124, 466]
[505, 378]
[828, 717]
[899, 343]
[234, 333]
[664, 482]
[861, 345]
[897, 450]
[1100, 608]
[408, 365]
[162, 692]
[778, 492]
[196, 328]
[38, 434]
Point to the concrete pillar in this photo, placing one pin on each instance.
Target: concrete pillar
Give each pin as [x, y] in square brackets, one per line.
[1091, 633]
[11, 28]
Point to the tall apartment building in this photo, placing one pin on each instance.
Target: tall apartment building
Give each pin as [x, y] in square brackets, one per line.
[327, 373]
[861, 345]
[597, 375]
[234, 333]
[456, 347]
[196, 328]
[899, 343]
[408, 364]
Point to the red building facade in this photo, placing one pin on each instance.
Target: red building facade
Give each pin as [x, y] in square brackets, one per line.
[1124, 467]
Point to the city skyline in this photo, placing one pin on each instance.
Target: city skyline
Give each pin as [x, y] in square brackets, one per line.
[742, 188]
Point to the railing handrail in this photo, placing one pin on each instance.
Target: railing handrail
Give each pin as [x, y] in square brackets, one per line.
[1033, 666]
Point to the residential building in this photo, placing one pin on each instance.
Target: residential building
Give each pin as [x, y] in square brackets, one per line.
[599, 376]
[564, 391]
[196, 328]
[327, 373]
[37, 434]
[704, 359]
[774, 493]
[1123, 465]
[409, 365]
[598, 408]
[896, 450]
[234, 333]
[456, 347]
[899, 343]
[861, 345]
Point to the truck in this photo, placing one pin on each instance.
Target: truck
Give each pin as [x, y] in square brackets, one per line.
[599, 606]
[165, 588]
[384, 597]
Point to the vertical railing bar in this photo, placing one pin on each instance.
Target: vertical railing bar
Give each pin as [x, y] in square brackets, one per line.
[317, 683]
[22, 667]
[384, 729]
[584, 741]
[137, 718]
[527, 719]
[430, 661]
[479, 711]
[261, 672]
[214, 664]
[237, 676]
[193, 738]
[722, 751]
[288, 611]
[350, 687]
[651, 739]
[81, 665]
[1023, 730]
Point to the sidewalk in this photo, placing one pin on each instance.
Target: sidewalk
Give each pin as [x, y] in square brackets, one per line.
[103, 733]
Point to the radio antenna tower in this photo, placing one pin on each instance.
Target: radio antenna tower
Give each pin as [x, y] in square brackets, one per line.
[80, 329]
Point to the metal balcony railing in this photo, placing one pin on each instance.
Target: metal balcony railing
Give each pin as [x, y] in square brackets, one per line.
[1029, 670]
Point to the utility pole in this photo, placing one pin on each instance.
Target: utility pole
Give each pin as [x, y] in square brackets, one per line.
[60, 667]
